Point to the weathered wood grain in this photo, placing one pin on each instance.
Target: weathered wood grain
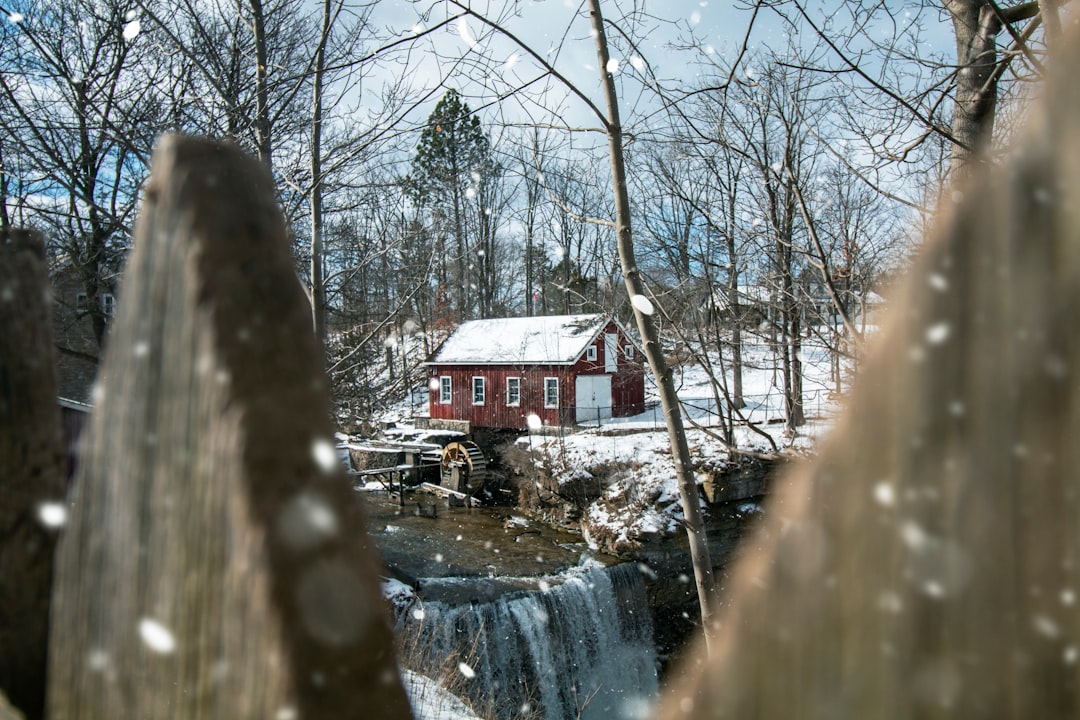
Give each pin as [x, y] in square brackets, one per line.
[215, 564]
[31, 467]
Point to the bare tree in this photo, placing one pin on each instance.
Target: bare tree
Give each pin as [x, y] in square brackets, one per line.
[901, 95]
[79, 96]
[773, 131]
[688, 492]
[318, 285]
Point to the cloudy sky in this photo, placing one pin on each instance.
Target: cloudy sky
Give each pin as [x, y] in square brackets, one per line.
[676, 43]
[559, 30]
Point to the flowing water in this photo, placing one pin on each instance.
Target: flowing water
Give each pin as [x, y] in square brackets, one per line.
[583, 648]
[519, 619]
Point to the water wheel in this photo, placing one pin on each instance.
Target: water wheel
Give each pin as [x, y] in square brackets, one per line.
[464, 467]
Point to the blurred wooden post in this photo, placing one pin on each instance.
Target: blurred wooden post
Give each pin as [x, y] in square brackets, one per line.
[32, 470]
[215, 564]
[927, 564]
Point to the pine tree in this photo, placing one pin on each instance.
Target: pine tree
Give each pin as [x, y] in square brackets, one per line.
[450, 173]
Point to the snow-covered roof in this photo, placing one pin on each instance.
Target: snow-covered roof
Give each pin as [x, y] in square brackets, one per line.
[557, 339]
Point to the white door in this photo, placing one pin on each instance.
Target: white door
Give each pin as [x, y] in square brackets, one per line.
[592, 397]
[611, 352]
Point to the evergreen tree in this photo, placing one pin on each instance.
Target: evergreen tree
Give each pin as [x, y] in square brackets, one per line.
[451, 171]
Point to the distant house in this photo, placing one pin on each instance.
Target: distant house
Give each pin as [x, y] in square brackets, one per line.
[760, 304]
[77, 349]
[564, 369]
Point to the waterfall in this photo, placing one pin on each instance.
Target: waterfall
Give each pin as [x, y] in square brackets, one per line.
[582, 648]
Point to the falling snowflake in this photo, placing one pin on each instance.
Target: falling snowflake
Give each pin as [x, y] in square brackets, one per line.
[642, 304]
[132, 30]
[938, 333]
[938, 282]
[52, 514]
[884, 494]
[322, 451]
[465, 33]
[157, 637]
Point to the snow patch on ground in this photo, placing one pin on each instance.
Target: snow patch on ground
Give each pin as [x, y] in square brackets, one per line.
[430, 701]
[632, 469]
[397, 593]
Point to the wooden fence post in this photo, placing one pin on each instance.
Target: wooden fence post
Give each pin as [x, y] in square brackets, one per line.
[31, 468]
[215, 564]
[927, 564]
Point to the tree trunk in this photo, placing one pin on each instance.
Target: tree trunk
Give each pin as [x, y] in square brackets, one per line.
[215, 564]
[262, 92]
[976, 26]
[459, 241]
[32, 469]
[737, 400]
[318, 281]
[5, 219]
[680, 452]
[796, 412]
[532, 197]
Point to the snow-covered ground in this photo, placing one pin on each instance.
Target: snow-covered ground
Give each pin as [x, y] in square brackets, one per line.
[641, 498]
[430, 701]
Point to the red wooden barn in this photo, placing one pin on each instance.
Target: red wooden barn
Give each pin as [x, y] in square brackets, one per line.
[564, 369]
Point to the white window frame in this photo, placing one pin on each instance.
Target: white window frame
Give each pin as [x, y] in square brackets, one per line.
[590, 353]
[548, 383]
[446, 389]
[479, 383]
[628, 350]
[513, 399]
[108, 304]
[80, 302]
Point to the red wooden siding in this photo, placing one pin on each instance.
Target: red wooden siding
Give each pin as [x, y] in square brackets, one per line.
[627, 388]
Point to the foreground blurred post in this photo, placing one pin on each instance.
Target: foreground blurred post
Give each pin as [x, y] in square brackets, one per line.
[32, 470]
[928, 564]
[215, 564]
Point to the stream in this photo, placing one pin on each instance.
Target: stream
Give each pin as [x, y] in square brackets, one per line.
[485, 551]
[518, 619]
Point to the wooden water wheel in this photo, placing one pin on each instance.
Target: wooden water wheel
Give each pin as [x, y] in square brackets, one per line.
[464, 467]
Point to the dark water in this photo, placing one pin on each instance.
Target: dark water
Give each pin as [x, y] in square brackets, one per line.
[494, 547]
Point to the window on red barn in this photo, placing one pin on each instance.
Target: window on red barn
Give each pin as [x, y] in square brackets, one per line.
[513, 392]
[590, 353]
[445, 390]
[551, 392]
[478, 391]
